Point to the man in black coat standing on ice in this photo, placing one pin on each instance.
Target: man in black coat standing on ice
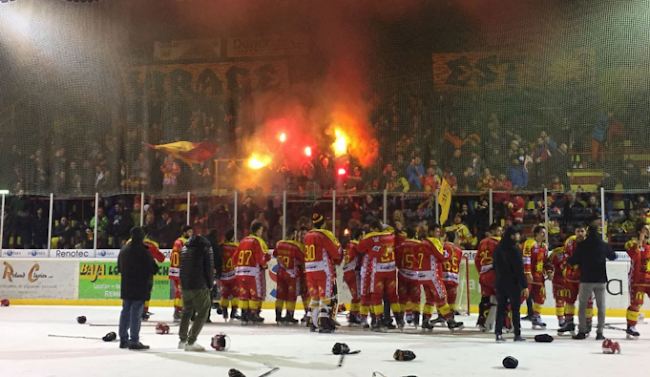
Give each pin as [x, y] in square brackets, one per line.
[137, 267]
[510, 281]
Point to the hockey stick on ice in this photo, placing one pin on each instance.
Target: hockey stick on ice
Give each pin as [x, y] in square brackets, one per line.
[273, 370]
[73, 336]
[610, 327]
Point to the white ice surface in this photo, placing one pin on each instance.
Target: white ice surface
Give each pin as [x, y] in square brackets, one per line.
[26, 350]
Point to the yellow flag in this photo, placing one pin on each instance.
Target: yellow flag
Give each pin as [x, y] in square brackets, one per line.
[444, 199]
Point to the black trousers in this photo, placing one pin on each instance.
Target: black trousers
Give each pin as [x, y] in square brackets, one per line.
[508, 295]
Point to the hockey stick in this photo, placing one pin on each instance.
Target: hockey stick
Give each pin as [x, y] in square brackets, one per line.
[144, 324]
[73, 336]
[341, 360]
[273, 370]
[610, 327]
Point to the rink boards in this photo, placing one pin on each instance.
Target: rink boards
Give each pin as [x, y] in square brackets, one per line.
[96, 281]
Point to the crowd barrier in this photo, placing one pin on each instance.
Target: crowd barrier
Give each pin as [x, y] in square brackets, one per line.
[94, 280]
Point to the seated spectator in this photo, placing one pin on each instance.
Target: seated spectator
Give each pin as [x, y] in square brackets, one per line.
[486, 181]
[397, 183]
[502, 184]
[415, 173]
[555, 184]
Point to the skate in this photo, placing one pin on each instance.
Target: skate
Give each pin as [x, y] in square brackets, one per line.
[561, 323]
[311, 325]
[353, 320]
[426, 323]
[454, 326]
[146, 316]
[631, 332]
[388, 324]
[244, 317]
[224, 313]
[569, 327]
[326, 325]
[409, 318]
[256, 319]
[289, 319]
[416, 319]
[220, 310]
[364, 323]
[455, 312]
[439, 320]
[399, 321]
[379, 324]
[305, 319]
[234, 317]
[279, 320]
[177, 315]
[528, 317]
[538, 324]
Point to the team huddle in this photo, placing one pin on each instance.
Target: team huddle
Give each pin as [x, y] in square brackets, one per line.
[540, 265]
[388, 269]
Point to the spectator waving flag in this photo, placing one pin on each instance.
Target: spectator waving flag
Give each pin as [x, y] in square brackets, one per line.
[444, 199]
[190, 153]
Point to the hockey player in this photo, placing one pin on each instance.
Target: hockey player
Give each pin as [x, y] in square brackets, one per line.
[322, 254]
[379, 245]
[288, 253]
[557, 259]
[408, 285]
[351, 275]
[639, 252]
[483, 262]
[250, 265]
[365, 272]
[536, 269]
[430, 259]
[451, 268]
[174, 269]
[572, 283]
[228, 281]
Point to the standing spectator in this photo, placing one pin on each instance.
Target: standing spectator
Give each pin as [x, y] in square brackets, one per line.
[415, 172]
[63, 232]
[561, 164]
[468, 181]
[517, 174]
[171, 170]
[510, 281]
[431, 182]
[197, 279]
[591, 255]
[102, 225]
[598, 135]
[137, 267]
[325, 175]
[40, 230]
[120, 223]
[573, 209]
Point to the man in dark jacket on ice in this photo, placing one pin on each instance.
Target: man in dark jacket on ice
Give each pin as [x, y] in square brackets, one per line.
[137, 267]
[510, 281]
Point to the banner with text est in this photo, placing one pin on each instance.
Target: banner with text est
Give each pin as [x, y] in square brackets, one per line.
[101, 280]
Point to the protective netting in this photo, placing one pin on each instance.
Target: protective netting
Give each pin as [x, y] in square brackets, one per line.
[309, 97]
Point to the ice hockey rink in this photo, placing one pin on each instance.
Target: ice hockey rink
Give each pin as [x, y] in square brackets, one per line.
[26, 349]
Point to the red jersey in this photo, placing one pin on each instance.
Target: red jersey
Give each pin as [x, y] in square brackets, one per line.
[154, 250]
[288, 253]
[451, 265]
[571, 272]
[229, 249]
[557, 259]
[437, 253]
[484, 254]
[640, 263]
[516, 209]
[535, 259]
[175, 258]
[379, 246]
[321, 247]
[250, 256]
[409, 256]
[351, 259]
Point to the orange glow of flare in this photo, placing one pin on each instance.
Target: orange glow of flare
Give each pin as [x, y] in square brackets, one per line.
[342, 171]
[346, 232]
[308, 151]
[258, 162]
[340, 144]
[283, 137]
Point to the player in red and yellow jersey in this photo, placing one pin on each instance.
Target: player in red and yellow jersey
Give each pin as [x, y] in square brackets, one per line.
[322, 254]
[572, 282]
[250, 264]
[288, 254]
[429, 265]
[174, 269]
[352, 276]
[408, 285]
[639, 276]
[303, 290]
[379, 245]
[228, 281]
[536, 270]
[557, 260]
[451, 268]
[483, 262]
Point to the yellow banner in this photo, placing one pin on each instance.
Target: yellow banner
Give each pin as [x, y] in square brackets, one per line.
[444, 199]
